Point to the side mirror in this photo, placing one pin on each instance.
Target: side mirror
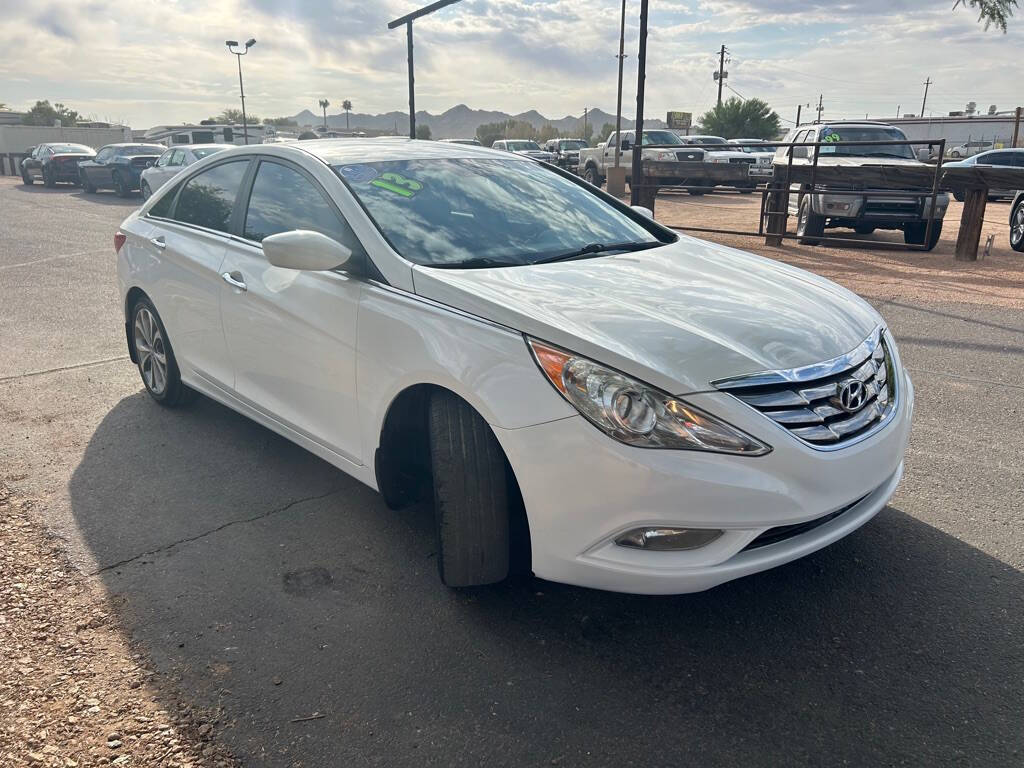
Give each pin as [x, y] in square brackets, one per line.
[303, 249]
[643, 211]
[924, 155]
[149, 163]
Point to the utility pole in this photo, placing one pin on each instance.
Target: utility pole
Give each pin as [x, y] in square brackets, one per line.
[821, 106]
[636, 174]
[924, 101]
[618, 102]
[407, 20]
[721, 72]
[585, 134]
[1016, 126]
[898, 106]
[798, 108]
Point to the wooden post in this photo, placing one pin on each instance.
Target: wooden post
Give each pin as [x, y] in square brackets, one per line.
[778, 205]
[971, 220]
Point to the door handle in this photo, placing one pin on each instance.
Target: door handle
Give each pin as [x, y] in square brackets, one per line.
[158, 241]
[234, 279]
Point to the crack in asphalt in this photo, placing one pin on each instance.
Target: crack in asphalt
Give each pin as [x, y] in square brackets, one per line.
[72, 367]
[229, 524]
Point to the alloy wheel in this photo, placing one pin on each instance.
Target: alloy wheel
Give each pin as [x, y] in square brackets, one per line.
[1017, 230]
[149, 344]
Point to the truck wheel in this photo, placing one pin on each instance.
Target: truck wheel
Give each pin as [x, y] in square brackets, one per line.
[695, 192]
[471, 505]
[913, 234]
[1017, 227]
[864, 229]
[591, 176]
[810, 225]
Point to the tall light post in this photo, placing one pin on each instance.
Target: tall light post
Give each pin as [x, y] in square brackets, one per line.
[232, 44]
[324, 104]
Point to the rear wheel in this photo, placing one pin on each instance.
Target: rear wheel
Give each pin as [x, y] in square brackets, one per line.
[25, 178]
[864, 229]
[810, 226]
[87, 185]
[591, 176]
[914, 234]
[471, 498]
[1017, 227]
[695, 192]
[157, 365]
[48, 179]
[146, 191]
[958, 195]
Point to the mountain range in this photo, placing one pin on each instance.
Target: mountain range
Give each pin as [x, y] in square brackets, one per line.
[461, 122]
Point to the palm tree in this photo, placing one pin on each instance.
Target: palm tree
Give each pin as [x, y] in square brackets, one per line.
[347, 106]
[324, 104]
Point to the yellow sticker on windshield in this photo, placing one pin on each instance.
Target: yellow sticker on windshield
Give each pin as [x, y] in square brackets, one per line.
[398, 184]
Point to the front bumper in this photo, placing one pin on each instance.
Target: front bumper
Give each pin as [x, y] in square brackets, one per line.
[582, 489]
[872, 208]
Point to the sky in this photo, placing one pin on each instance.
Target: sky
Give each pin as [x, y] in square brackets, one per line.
[149, 62]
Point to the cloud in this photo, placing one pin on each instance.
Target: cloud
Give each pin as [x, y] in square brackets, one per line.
[165, 62]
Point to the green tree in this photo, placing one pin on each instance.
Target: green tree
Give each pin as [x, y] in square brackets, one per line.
[548, 131]
[739, 119]
[606, 131]
[991, 12]
[233, 116]
[280, 122]
[423, 132]
[347, 106]
[43, 113]
[488, 133]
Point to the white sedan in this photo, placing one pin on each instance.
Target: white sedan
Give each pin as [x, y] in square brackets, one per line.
[170, 162]
[588, 396]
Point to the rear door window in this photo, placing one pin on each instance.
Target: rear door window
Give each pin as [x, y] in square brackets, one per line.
[208, 198]
[283, 199]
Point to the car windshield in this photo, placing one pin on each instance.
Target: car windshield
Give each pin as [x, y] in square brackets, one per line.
[148, 149]
[837, 134]
[572, 144]
[660, 137]
[204, 151]
[485, 212]
[521, 146]
[759, 148]
[75, 148]
[713, 143]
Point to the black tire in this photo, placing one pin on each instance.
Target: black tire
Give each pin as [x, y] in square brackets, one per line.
[958, 195]
[471, 500]
[48, 179]
[169, 392]
[747, 190]
[810, 225]
[1017, 227]
[913, 234]
[864, 229]
[120, 187]
[145, 190]
[591, 176]
[695, 192]
[87, 185]
[25, 178]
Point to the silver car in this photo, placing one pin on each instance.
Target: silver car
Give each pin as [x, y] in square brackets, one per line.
[525, 147]
[172, 161]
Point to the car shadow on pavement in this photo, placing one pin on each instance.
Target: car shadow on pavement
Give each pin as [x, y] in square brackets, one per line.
[102, 197]
[258, 579]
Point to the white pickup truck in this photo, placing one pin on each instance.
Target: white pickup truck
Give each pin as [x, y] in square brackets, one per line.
[595, 161]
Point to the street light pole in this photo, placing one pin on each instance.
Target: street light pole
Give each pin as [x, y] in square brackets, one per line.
[232, 44]
[618, 101]
[407, 20]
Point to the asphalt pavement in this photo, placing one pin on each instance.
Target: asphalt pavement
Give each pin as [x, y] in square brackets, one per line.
[257, 578]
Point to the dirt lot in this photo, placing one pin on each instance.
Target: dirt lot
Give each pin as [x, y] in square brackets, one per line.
[993, 280]
[180, 586]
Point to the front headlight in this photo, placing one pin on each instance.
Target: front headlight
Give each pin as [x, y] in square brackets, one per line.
[635, 413]
[663, 155]
[718, 159]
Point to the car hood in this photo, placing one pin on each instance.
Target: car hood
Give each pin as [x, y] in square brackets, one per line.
[835, 160]
[679, 316]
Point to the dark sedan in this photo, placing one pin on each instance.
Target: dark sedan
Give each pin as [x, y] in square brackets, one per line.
[56, 162]
[118, 167]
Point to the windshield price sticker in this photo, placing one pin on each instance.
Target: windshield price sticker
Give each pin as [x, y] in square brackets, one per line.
[398, 184]
[358, 174]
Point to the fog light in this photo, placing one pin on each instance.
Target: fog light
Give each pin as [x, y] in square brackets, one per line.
[667, 539]
[838, 206]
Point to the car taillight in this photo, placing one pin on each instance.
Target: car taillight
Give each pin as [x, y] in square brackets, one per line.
[119, 238]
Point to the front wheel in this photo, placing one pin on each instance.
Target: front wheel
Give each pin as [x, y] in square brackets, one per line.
[471, 499]
[155, 358]
[864, 229]
[810, 225]
[914, 234]
[48, 179]
[87, 185]
[591, 176]
[120, 187]
[25, 178]
[1017, 227]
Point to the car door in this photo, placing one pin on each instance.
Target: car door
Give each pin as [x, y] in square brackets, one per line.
[175, 164]
[190, 227]
[292, 334]
[156, 175]
[41, 155]
[100, 173]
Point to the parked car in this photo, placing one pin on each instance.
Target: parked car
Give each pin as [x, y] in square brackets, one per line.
[524, 147]
[1017, 222]
[118, 167]
[817, 210]
[470, 142]
[592, 397]
[1007, 158]
[720, 151]
[172, 161]
[54, 162]
[566, 152]
[969, 148]
[594, 162]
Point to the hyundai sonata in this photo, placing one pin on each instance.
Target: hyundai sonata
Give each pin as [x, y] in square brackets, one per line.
[590, 396]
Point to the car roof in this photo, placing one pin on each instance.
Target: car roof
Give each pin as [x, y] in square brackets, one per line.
[201, 146]
[335, 151]
[865, 123]
[134, 144]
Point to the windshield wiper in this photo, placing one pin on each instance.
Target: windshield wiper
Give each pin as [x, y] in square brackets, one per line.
[480, 262]
[592, 249]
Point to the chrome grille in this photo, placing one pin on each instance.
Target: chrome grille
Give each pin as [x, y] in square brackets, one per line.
[827, 404]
